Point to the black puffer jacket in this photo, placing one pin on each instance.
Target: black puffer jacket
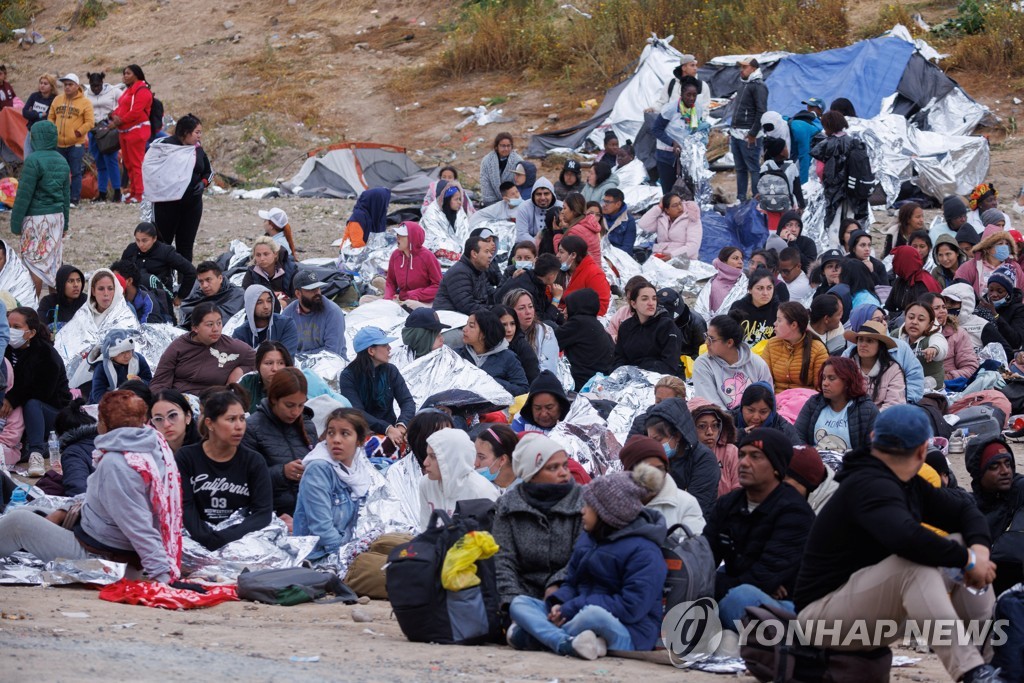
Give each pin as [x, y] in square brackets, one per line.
[463, 288]
[162, 261]
[693, 466]
[583, 338]
[529, 281]
[652, 345]
[750, 103]
[76, 458]
[762, 547]
[279, 444]
[1010, 322]
[692, 329]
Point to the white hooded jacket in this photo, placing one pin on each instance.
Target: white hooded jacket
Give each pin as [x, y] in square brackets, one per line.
[89, 326]
[459, 481]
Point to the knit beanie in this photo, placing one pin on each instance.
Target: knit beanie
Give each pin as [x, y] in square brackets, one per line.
[531, 454]
[1004, 277]
[638, 448]
[953, 207]
[993, 452]
[774, 444]
[967, 234]
[806, 467]
[616, 498]
[992, 217]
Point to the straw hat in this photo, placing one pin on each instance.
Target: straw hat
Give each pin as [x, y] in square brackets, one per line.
[872, 330]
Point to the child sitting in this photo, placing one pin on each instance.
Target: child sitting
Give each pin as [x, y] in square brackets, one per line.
[611, 596]
[116, 361]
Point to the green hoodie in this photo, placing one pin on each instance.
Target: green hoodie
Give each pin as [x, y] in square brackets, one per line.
[45, 183]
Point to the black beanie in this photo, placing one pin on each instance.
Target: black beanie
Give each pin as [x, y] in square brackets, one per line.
[776, 447]
[953, 207]
[773, 147]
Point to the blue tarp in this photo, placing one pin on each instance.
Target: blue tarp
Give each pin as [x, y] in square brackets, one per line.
[742, 226]
[864, 73]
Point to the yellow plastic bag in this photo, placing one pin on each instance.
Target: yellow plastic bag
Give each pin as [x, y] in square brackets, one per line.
[459, 569]
[687, 367]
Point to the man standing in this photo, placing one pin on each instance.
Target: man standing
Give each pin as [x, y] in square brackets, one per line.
[688, 66]
[319, 322]
[262, 324]
[869, 558]
[802, 128]
[621, 225]
[464, 288]
[72, 113]
[750, 103]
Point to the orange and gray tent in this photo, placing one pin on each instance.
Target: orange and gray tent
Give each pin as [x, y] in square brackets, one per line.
[346, 170]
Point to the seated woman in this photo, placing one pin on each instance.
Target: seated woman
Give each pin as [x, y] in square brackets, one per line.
[913, 373]
[856, 276]
[676, 222]
[791, 228]
[886, 384]
[574, 219]
[759, 308]
[926, 341]
[449, 475]
[271, 356]
[446, 215]
[997, 247]
[373, 385]
[859, 248]
[203, 357]
[717, 431]
[58, 308]
[961, 360]
[335, 482]
[116, 361]
[538, 333]
[723, 373]
[537, 521]
[650, 339]
[909, 219]
[414, 273]
[578, 619]
[486, 347]
[584, 271]
[282, 432]
[722, 290]
[447, 174]
[369, 216]
[272, 267]
[646, 459]
[517, 342]
[40, 386]
[921, 242]
[826, 323]
[841, 416]
[277, 227]
[132, 507]
[77, 432]
[793, 355]
[220, 476]
[1002, 301]
[422, 425]
[495, 444]
[948, 258]
[912, 281]
[599, 179]
[158, 263]
[758, 409]
[171, 415]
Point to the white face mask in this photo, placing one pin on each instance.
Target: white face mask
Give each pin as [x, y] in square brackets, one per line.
[17, 338]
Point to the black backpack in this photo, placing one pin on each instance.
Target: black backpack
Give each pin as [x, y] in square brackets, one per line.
[425, 610]
[860, 179]
[292, 586]
[691, 567]
[773, 190]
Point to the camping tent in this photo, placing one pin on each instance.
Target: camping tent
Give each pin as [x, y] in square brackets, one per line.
[345, 170]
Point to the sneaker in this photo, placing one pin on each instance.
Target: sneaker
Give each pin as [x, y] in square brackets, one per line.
[74, 205]
[986, 673]
[36, 468]
[588, 646]
[1015, 436]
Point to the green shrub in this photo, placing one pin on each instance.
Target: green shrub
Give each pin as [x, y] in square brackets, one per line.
[14, 14]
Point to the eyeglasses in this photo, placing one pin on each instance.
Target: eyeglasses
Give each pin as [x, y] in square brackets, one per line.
[708, 338]
[710, 427]
[171, 418]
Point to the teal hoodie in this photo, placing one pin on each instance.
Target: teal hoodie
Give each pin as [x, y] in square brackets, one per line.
[45, 184]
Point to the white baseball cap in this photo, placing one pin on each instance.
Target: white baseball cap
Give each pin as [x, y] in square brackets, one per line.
[276, 216]
[71, 77]
[402, 230]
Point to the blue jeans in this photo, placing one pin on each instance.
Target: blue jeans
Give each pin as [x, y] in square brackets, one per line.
[107, 171]
[39, 421]
[74, 156]
[531, 615]
[748, 164]
[732, 607]
[666, 162]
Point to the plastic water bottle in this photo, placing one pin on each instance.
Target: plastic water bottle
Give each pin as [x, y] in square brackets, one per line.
[19, 498]
[54, 444]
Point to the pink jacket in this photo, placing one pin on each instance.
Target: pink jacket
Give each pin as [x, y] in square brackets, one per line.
[968, 272]
[960, 360]
[416, 277]
[679, 237]
[11, 432]
[729, 460]
[589, 229]
[621, 315]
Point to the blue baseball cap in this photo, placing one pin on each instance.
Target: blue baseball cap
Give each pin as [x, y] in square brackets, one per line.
[901, 427]
[370, 336]
[815, 102]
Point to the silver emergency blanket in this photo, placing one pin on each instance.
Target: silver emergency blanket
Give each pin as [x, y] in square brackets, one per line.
[368, 262]
[684, 275]
[638, 194]
[694, 162]
[76, 339]
[387, 315]
[392, 506]
[702, 306]
[504, 230]
[324, 364]
[994, 352]
[618, 266]
[632, 390]
[269, 548]
[21, 568]
[234, 322]
[587, 438]
[444, 369]
[565, 374]
[955, 114]
[814, 216]
[153, 340]
[15, 278]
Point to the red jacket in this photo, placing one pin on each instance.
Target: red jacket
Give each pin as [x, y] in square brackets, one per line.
[416, 277]
[589, 275]
[134, 105]
[589, 229]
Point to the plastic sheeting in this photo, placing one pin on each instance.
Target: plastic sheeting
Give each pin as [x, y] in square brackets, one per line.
[587, 439]
[444, 369]
[632, 390]
[269, 548]
[742, 226]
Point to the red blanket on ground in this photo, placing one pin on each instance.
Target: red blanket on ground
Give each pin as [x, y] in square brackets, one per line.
[152, 594]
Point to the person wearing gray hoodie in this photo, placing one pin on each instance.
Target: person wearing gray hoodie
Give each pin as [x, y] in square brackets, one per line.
[530, 217]
[263, 324]
[728, 368]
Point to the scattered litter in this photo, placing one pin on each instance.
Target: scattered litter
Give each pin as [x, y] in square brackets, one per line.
[12, 616]
[60, 630]
[576, 10]
[369, 631]
[481, 116]
[76, 615]
[588, 104]
[921, 23]
[1016, 100]
[229, 24]
[901, 661]
[296, 658]
[124, 626]
[27, 37]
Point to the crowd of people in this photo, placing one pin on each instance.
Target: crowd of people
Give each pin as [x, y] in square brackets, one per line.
[789, 353]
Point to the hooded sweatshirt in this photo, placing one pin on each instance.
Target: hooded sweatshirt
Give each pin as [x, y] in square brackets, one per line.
[724, 384]
[977, 271]
[808, 250]
[980, 331]
[44, 187]
[530, 217]
[73, 117]
[999, 509]
[279, 328]
[455, 457]
[108, 375]
[414, 277]
[368, 216]
[944, 277]
[725, 449]
[103, 103]
[583, 339]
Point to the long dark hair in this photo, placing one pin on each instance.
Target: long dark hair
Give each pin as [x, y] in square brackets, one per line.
[266, 347]
[286, 382]
[215, 406]
[795, 313]
[490, 327]
[501, 437]
[855, 275]
[422, 425]
[824, 305]
[177, 398]
[884, 361]
[185, 125]
[371, 382]
[33, 322]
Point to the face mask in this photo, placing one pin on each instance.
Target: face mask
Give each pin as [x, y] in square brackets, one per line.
[995, 302]
[486, 473]
[1002, 252]
[953, 313]
[564, 268]
[17, 338]
[514, 202]
[669, 451]
[524, 265]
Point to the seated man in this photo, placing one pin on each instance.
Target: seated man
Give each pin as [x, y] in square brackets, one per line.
[505, 210]
[999, 493]
[262, 324]
[530, 217]
[758, 531]
[545, 406]
[135, 294]
[464, 288]
[868, 557]
[539, 281]
[319, 322]
[795, 278]
[211, 285]
[621, 225]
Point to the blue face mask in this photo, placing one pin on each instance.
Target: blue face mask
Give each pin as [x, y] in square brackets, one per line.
[524, 265]
[565, 268]
[514, 202]
[1000, 302]
[1002, 252]
[669, 451]
[486, 473]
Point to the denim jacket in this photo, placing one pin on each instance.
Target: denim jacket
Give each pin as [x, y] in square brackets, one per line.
[324, 508]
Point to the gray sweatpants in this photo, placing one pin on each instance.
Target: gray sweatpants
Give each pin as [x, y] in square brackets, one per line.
[25, 530]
